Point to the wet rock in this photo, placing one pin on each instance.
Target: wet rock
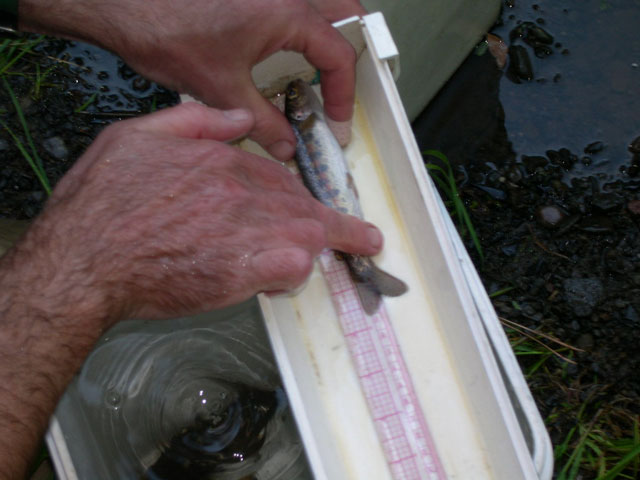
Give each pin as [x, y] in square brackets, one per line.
[594, 147]
[125, 71]
[563, 158]
[550, 216]
[514, 174]
[596, 224]
[494, 193]
[533, 35]
[631, 315]
[520, 67]
[542, 51]
[583, 294]
[141, 84]
[531, 163]
[634, 146]
[607, 201]
[56, 147]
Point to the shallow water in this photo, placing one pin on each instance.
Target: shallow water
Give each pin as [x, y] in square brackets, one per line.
[117, 88]
[190, 398]
[585, 87]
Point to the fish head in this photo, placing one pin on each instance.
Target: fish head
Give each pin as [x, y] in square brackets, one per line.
[298, 105]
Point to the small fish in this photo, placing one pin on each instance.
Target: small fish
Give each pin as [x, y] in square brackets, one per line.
[325, 173]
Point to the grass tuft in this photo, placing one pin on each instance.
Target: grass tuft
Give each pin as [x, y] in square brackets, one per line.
[32, 158]
[444, 178]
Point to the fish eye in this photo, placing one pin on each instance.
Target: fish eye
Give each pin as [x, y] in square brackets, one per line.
[292, 93]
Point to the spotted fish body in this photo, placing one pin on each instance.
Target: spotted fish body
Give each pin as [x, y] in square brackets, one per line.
[325, 173]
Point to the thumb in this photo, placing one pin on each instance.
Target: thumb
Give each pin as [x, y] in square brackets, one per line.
[193, 120]
[271, 129]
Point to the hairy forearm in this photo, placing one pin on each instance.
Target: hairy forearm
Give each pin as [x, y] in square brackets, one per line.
[96, 22]
[43, 342]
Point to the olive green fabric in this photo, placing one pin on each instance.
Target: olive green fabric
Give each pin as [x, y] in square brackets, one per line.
[433, 37]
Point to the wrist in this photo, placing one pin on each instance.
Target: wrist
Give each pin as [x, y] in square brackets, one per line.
[55, 288]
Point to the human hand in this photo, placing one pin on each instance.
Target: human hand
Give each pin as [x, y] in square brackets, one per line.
[207, 48]
[159, 218]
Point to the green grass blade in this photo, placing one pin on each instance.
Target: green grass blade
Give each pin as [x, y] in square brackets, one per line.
[632, 456]
[11, 59]
[34, 161]
[41, 176]
[446, 177]
[502, 291]
[89, 101]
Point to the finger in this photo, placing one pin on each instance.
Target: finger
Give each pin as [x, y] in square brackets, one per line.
[281, 268]
[192, 120]
[349, 234]
[271, 129]
[325, 48]
[305, 233]
[334, 11]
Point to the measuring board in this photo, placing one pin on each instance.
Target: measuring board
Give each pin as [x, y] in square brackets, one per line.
[385, 381]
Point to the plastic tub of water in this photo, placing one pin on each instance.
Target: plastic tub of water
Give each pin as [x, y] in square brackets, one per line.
[135, 405]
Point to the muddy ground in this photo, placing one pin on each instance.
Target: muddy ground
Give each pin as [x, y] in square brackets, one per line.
[557, 213]
[558, 224]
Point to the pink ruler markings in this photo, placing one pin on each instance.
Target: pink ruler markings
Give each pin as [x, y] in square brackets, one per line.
[400, 424]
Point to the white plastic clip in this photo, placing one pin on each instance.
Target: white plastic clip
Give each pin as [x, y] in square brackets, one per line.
[382, 41]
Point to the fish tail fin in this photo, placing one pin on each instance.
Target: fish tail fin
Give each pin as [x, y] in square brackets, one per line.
[378, 283]
[369, 297]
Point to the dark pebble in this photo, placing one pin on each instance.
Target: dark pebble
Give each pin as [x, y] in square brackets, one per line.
[594, 147]
[631, 315]
[510, 250]
[126, 72]
[141, 84]
[531, 163]
[607, 201]
[596, 224]
[542, 51]
[514, 174]
[56, 147]
[494, 193]
[550, 216]
[585, 341]
[583, 294]
[103, 75]
[520, 67]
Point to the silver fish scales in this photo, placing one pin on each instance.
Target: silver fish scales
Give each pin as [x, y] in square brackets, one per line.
[325, 173]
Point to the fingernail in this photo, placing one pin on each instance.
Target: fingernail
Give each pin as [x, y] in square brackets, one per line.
[375, 237]
[341, 130]
[236, 115]
[282, 150]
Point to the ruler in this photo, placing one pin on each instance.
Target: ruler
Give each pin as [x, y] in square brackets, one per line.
[402, 430]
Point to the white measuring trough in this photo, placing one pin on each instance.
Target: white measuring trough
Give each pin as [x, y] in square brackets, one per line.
[479, 418]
